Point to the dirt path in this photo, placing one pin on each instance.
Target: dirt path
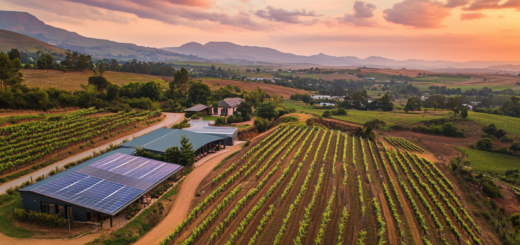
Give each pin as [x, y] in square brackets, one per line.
[171, 118]
[181, 207]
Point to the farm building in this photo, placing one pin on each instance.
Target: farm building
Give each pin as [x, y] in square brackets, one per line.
[201, 109]
[100, 188]
[226, 107]
[161, 139]
[202, 127]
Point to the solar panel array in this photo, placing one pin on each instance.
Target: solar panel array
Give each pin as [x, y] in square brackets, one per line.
[108, 184]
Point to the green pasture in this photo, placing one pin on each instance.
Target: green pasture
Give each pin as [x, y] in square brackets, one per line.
[490, 162]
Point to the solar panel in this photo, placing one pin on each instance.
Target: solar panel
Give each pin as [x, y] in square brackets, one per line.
[108, 184]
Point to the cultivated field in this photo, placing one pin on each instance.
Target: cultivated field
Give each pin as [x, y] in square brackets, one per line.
[303, 185]
[27, 143]
[71, 80]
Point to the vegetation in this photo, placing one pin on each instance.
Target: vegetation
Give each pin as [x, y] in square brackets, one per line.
[246, 215]
[402, 143]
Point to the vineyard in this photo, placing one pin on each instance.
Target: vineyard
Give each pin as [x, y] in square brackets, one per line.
[402, 143]
[304, 185]
[26, 143]
[490, 162]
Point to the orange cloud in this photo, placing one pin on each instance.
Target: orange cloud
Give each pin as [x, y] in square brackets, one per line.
[493, 4]
[472, 16]
[417, 13]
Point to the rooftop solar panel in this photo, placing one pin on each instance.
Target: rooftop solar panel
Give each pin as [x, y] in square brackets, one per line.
[109, 184]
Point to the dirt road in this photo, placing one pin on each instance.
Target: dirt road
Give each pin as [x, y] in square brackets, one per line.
[171, 118]
[181, 206]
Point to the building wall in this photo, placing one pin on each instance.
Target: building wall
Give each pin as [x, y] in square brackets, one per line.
[229, 111]
[32, 201]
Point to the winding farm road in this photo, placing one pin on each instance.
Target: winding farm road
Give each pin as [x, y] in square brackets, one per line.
[171, 118]
[180, 208]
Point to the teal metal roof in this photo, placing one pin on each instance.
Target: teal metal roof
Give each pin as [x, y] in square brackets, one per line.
[164, 138]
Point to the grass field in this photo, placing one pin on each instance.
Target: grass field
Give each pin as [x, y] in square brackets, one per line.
[510, 124]
[490, 162]
[210, 118]
[361, 117]
[269, 88]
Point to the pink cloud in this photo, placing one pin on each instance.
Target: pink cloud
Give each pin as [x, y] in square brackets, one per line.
[282, 15]
[363, 13]
[417, 13]
[472, 16]
[493, 4]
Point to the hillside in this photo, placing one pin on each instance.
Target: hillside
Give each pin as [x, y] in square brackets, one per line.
[72, 81]
[9, 40]
[27, 24]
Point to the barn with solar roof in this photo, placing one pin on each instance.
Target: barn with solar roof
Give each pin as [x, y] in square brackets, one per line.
[100, 188]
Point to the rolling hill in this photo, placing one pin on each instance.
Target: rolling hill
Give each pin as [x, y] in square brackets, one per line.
[27, 24]
[9, 40]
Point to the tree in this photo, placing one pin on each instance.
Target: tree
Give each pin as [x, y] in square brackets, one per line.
[8, 69]
[182, 81]
[15, 54]
[413, 104]
[244, 109]
[261, 124]
[515, 219]
[199, 93]
[267, 109]
[490, 129]
[515, 147]
[101, 83]
[172, 154]
[152, 90]
[326, 114]
[187, 154]
[464, 113]
[485, 144]
[500, 133]
[46, 61]
[112, 92]
[449, 129]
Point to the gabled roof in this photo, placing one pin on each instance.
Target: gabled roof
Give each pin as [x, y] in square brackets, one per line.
[198, 107]
[164, 138]
[230, 102]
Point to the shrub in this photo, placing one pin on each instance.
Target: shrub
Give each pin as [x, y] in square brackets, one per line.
[491, 189]
[10, 190]
[220, 121]
[326, 114]
[3, 180]
[261, 124]
[507, 139]
[485, 144]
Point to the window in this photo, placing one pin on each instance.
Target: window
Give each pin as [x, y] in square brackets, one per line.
[61, 210]
[45, 207]
[52, 208]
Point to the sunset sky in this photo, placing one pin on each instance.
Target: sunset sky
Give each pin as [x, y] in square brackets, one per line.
[457, 30]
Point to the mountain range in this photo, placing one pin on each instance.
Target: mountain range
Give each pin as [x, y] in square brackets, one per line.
[29, 25]
[224, 52]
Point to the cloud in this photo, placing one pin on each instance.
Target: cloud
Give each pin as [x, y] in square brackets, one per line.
[176, 12]
[417, 13]
[363, 13]
[493, 4]
[282, 15]
[472, 16]
[456, 3]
